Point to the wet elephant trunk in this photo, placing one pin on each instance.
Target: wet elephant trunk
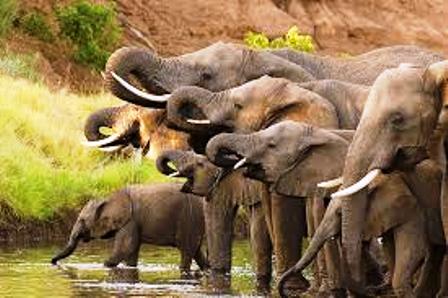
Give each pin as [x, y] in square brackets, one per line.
[102, 118]
[71, 245]
[144, 65]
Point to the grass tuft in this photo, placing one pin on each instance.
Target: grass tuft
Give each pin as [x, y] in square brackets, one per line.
[43, 166]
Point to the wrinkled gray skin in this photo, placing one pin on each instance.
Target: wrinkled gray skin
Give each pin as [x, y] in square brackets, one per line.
[139, 127]
[293, 157]
[224, 192]
[396, 131]
[223, 65]
[158, 214]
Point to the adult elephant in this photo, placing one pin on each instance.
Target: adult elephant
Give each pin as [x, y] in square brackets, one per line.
[224, 65]
[291, 156]
[142, 128]
[224, 192]
[397, 130]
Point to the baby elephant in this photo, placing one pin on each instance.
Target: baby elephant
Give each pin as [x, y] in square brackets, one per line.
[157, 214]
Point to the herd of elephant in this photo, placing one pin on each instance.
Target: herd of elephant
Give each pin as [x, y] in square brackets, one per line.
[349, 152]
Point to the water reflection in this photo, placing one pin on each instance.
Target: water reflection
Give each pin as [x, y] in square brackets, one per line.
[27, 272]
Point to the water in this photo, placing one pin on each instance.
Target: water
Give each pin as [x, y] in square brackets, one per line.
[27, 272]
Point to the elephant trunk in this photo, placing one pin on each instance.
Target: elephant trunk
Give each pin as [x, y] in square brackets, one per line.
[102, 118]
[144, 66]
[166, 157]
[71, 245]
[195, 109]
[228, 150]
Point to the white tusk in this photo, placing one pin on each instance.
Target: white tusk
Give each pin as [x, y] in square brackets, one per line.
[111, 148]
[132, 89]
[330, 183]
[358, 185]
[102, 142]
[175, 174]
[240, 163]
[195, 121]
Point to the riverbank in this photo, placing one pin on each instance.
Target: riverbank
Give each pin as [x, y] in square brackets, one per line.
[44, 169]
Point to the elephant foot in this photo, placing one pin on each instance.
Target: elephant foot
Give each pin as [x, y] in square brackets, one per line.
[186, 274]
[111, 263]
[263, 285]
[218, 281]
[331, 293]
[295, 286]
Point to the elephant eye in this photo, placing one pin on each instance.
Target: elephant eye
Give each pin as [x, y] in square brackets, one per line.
[397, 120]
[238, 106]
[206, 76]
[271, 145]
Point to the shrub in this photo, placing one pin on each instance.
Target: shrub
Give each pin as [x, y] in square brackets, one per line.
[8, 12]
[92, 28]
[18, 65]
[292, 39]
[34, 24]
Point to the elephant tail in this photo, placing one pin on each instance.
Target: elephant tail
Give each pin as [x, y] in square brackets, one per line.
[328, 228]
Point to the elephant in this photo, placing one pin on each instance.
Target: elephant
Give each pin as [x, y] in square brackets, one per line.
[401, 126]
[291, 156]
[224, 192]
[139, 127]
[158, 214]
[221, 66]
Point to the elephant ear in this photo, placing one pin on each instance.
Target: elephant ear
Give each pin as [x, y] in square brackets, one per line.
[320, 162]
[112, 214]
[435, 78]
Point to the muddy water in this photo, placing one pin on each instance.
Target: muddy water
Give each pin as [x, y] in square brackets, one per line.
[27, 272]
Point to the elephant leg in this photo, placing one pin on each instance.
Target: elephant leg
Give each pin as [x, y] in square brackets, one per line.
[219, 217]
[444, 278]
[185, 263]
[410, 251]
[429, 282]
[126, 246]
[389, 256]
[289, 229]
[201, 259]
[261, 247]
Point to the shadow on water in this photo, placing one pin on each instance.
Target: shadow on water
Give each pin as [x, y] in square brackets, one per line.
[27, 272]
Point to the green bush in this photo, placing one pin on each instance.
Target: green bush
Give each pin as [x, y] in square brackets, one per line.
[8, 13]
[92, 28]
[34, 24]
[18, 65]
[292, 39]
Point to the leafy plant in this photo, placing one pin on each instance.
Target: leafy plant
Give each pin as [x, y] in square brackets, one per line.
[18, 65]
[92, 28]
[8, 13]
[34, 24]
[292, 39]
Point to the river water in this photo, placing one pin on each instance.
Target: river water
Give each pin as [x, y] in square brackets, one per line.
[25, 271]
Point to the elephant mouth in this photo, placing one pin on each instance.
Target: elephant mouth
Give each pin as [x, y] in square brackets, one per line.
[227, 158]
[195, 115]
[255, 171]
[109, 234]
[406, 158]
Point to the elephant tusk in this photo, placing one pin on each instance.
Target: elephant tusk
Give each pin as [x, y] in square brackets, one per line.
[111, 148]
[358, 185]
[175, 174]
[196, 121]
[331, 183]
[102, 142]
[240, 163]
[132, 89]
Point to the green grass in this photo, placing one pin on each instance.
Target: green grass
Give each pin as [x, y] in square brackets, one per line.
[8, 13]
[18, 65]
[43, 166]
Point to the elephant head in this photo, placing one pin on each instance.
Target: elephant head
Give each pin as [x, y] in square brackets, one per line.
[202, 176]
[398, 120]
[132, 125]
[247, 108]
[291, 157]
[99, 219]
[217, 67]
